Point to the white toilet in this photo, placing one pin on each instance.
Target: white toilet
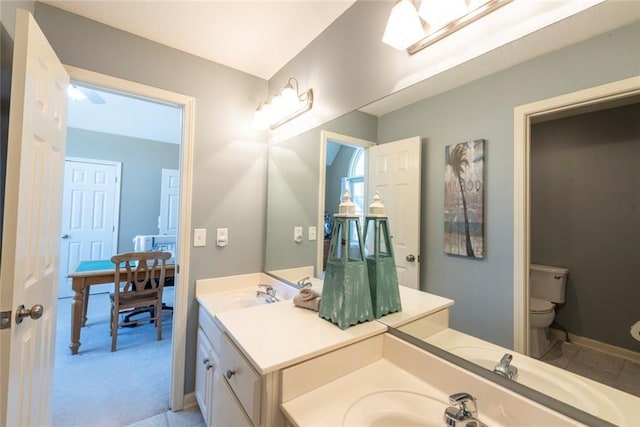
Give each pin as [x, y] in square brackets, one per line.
[546, 289]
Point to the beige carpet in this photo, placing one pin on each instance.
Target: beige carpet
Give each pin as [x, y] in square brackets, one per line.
[98, 388]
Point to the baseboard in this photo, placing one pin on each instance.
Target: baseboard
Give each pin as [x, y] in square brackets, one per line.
[189, 401]
[613, 350]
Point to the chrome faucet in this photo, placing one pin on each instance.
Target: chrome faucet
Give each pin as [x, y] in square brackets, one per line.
[269, 293]
[503, 368]
[465, 413]
[303, 283]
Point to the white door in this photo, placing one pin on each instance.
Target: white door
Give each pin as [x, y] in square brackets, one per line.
[394, 171]
[29, 267]
[169, 202]
[90, 206]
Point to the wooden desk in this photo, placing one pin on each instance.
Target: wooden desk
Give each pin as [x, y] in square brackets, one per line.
[89, 273]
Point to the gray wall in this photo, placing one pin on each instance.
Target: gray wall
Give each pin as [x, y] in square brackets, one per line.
[229, 178]
[585, 196]
[294, 188]
[483, 290]
[142, 164]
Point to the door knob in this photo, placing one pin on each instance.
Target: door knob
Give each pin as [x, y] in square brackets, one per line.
[229, 373]
[410, 258]
[34, 312]
[65, 236]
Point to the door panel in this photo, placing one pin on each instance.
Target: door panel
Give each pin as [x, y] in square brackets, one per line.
[394, 172]
[169, 202]
[29, 267]
[89, 211]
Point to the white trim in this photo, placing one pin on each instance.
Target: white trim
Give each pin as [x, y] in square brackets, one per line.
[523, 115]
[116, 202]
[178, 345]
[345, 140]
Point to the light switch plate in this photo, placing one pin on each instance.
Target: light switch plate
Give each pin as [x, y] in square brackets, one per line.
[297, 234]
[199, 237]
[312, 233]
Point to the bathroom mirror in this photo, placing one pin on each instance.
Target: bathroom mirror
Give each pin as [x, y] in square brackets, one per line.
[483, 290]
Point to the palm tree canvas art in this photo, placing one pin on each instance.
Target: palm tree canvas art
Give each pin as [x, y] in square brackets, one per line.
[464, 199]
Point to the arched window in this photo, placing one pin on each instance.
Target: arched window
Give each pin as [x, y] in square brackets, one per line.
[355, 183]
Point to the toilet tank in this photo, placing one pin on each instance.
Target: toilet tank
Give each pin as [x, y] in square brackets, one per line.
[548, 282]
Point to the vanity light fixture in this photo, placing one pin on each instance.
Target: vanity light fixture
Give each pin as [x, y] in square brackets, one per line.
[287, 104]
[437, 19]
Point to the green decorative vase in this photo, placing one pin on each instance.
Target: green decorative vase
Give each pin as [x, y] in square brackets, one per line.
[381, 264]
[346, 296]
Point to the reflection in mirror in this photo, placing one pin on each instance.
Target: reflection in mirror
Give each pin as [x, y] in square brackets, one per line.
[296, 189]
[482, 327]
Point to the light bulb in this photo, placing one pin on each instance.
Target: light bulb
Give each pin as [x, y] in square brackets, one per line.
[404, 27]
[289, 98]
[259, 120]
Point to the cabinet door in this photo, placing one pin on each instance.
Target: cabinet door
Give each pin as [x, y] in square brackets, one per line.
[204, 377]
[230, 413]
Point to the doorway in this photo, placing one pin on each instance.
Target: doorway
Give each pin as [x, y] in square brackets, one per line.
[612, 94]
[185, 161]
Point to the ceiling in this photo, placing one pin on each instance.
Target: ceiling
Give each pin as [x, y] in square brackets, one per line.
[255, 36]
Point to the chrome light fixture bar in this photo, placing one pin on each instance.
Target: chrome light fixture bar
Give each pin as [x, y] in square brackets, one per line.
[472, 15]
[287, 104]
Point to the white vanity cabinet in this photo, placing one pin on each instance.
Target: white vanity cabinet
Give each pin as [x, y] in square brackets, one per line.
[229, 390]
[207, 367]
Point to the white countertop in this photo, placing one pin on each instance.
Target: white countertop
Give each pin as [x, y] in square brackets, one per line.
[278, 335]
[274, 336]
[415, 304]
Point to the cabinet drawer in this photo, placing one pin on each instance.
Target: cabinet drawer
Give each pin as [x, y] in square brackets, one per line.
[210, 329]
[243, 380]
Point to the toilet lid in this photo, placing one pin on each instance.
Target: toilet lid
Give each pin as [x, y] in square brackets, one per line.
[537, 305]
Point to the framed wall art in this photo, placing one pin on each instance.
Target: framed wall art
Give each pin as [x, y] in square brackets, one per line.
[464, 199]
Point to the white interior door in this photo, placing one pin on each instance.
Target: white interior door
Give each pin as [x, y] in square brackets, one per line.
[29, 267]
[169, 202]
[90, 206]
[394, 171]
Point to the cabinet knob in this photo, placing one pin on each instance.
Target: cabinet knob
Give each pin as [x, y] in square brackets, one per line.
[229, 373]
[207, 364]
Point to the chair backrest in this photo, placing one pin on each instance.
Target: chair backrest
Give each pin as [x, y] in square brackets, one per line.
[141, 272]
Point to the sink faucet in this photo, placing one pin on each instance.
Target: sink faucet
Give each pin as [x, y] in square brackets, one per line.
[303, 283]
[269, 293]
[465, 413]
[503, 368]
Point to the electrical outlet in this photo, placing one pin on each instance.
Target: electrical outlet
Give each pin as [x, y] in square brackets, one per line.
[297, 234]
[222, 237]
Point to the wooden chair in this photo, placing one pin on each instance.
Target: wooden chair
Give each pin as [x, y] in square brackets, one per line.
[139, 281]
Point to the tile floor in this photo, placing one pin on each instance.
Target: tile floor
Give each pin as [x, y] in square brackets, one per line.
[188, 418]
[598, 366]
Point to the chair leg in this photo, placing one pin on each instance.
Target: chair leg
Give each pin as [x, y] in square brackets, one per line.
[114, 329]
[158, 311]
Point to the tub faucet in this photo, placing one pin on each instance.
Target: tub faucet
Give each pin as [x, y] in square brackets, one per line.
[465, 413]
[503, 368]
[303, 283]
[269, 293]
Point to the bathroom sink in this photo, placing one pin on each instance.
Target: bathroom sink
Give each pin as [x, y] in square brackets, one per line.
[246, 297]
[547, 379]
[392, 408]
